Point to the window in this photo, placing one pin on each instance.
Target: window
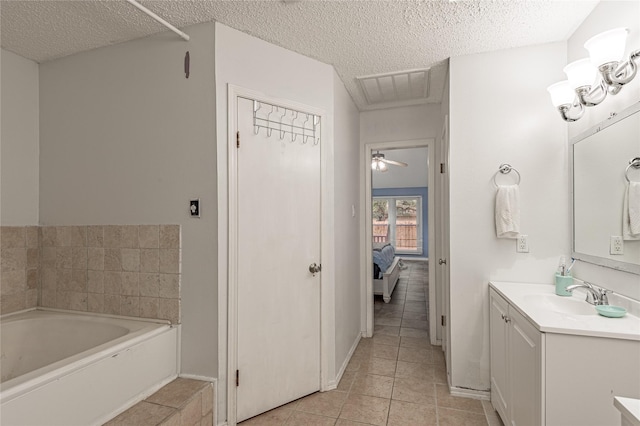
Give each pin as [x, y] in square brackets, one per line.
[397, 220]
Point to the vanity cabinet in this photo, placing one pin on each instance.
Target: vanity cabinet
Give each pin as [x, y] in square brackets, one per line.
[516, 365]
[558, 369]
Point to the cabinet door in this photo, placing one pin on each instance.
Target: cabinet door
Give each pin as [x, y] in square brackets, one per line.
[499, 361]
[525, 381]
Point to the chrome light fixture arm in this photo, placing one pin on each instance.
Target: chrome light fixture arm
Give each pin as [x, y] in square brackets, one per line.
[592, 96]
[566, 109]
[616, 74]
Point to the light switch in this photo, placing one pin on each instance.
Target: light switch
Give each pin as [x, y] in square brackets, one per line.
[194, 207]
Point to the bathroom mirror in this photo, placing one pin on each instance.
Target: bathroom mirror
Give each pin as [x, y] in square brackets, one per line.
[600, 163]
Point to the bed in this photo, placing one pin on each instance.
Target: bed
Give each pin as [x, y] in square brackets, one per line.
[386, 270]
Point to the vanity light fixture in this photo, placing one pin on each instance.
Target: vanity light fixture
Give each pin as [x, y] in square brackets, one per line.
[591, 79]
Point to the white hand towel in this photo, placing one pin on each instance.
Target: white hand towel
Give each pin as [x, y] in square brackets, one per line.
[631, 212]
[508, 211]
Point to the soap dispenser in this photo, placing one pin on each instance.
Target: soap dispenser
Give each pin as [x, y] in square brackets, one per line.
[563, 278]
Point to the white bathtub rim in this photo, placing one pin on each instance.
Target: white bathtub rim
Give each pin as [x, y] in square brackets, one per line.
[34, 379]
[83, 313]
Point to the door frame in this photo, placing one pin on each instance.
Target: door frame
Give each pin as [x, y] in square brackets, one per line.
[227, 284]
[366, 217]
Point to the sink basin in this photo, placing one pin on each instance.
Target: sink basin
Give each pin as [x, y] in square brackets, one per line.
[564, 305]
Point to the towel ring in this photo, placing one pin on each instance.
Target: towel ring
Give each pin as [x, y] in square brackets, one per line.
[506, 169]
[635, 163]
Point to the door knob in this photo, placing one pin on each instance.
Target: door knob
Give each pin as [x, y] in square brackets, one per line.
[442, 261]
[314, 269]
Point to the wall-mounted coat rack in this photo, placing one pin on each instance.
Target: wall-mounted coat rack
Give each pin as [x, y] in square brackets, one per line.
[286, 121]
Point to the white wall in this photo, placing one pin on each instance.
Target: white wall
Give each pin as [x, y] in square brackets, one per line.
[19, 140]
[499, 112]
[126, 139]
[347, 221]
[399, 124]
[605, 16]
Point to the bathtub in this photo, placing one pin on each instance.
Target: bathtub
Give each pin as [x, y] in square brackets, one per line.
[69, 368]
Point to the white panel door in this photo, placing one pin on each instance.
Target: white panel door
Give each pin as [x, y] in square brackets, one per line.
[278, 239]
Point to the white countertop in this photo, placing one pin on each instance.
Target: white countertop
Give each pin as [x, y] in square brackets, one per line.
[550, 321]
[629, 408]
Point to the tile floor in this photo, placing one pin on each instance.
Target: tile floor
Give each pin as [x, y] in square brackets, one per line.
[394, 378]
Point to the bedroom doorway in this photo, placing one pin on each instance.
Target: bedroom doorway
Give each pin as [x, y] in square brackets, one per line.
[399, 212]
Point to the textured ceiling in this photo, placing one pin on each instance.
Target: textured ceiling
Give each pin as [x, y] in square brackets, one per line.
[357, 37]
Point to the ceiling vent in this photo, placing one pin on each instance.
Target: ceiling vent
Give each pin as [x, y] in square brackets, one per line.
[396, 88]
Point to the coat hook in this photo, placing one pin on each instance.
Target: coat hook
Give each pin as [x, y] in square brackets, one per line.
[187, 64]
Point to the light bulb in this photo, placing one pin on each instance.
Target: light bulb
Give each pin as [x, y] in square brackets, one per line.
[607, 46]
[581, 73]
[561, 93]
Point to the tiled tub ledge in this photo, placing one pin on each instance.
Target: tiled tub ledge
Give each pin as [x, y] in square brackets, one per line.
[183, 402]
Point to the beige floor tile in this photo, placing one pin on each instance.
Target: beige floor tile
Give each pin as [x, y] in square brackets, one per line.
[386, 329]
[388, 313]
[405, 414]
[346, 381]
[142, 414]
[414, 390]
[416, 342]
[373, 385]
[419, 307]
[395, 322]
[323, 403]
[275, 417]
[438, 359]
[343, 422]
[417, 324]
[299, 418]
[449, 417]
[380, 366]
[424, 356]
[414, 332]
[413, 369]
[440, 374]
[385, 339]
[177, 393]
[446, 400]
[385, 351]
[366, 409]
[355, 363]
[415, 316]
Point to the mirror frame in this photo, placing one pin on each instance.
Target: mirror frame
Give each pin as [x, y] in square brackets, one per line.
[596, 260]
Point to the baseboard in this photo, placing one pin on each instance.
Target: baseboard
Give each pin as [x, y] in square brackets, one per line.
[346, 361]
[470, 393]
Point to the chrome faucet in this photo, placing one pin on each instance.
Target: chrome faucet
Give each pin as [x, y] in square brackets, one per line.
[598, 295]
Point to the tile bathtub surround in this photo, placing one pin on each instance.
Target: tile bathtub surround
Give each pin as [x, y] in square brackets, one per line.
[183, 402]
[131, 270]
[20, 268]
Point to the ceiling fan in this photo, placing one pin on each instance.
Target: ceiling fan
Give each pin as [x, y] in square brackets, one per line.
[379, 163]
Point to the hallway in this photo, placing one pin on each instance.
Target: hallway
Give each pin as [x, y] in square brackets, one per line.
[394, 378]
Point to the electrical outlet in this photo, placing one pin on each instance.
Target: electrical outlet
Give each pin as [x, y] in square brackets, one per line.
[522, 244]
[616, 245]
